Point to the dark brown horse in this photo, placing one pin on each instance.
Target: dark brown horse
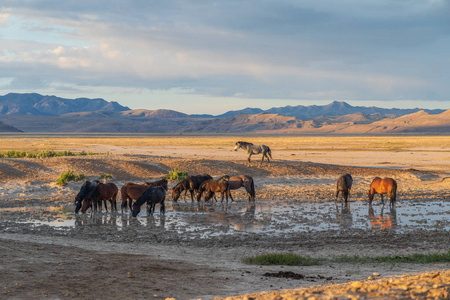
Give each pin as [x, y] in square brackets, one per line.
[84, 191]
[211, 186]
[101, 192]
[238, 181]
[152, 195]
[191, 184]
[343, 186]
[131, 191]
[383, 186]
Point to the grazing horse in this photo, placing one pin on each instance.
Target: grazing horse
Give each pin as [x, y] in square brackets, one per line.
[212, 186]
[251, 149]
[152, 195]
[84, 191]
[383, 186]
[344, 185]
[191, 184]
[238, 181]
[101, 192]
[131, 191]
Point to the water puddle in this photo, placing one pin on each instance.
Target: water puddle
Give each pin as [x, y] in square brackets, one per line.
[272, 218]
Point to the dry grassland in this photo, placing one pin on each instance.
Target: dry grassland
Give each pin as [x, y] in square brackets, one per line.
[59, 142]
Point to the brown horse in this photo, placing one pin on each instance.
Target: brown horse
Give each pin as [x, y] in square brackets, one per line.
[343, 186]
[212, 186]
[101, 192]
[191, 184]
[383, 186]
[131, 191]
[238, 181]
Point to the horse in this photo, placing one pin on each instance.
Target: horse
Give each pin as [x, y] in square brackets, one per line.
[191, 184]
[254, 149]
[383, 186]
[101, 192]
[238, 181]
[131, 191]
[152, 195]
[212, 186]
[344, 185]
[84, 191]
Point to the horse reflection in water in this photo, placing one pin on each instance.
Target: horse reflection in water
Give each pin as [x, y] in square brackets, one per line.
[96, 220]
[344, 215]
[382, 222]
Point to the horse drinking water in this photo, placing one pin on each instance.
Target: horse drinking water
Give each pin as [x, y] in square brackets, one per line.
[131, 191]
[152, 195]
[101, 192]
[383, 186]
[84, 191]
[251, 149]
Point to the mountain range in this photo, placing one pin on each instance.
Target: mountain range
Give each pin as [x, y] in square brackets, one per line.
[54, 114]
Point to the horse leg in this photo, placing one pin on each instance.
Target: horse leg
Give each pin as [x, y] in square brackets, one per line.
[162, 209]
[268, 160]
[229, 194]
[262, 159]
[248, 158]
[382, 200]
[106, 206]
[345, 196]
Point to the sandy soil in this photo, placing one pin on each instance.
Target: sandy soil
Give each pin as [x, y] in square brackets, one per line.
[147, 258]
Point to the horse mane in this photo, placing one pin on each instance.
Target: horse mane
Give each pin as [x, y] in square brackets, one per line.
[244, 143]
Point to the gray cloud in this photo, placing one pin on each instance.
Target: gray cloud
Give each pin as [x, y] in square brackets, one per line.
[380, 50]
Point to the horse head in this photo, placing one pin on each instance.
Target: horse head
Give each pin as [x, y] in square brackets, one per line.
[136, 209]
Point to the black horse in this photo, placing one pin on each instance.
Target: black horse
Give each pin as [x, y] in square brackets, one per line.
[191, 184]
[82, 194]
[251, 149]
[151, 196]
[344, 185]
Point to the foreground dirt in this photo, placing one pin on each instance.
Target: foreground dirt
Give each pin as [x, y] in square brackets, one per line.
[148, 261]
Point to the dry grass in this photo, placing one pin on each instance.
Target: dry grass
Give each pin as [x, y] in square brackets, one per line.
[61, 142]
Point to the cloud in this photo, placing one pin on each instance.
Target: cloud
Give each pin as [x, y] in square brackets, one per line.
[384, 50]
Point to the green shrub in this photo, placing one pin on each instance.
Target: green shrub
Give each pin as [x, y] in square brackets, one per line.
[176, 175]
[105, 176]
[69, 176]
[41, 154]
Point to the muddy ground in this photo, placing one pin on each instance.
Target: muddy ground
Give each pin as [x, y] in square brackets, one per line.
[196, 250]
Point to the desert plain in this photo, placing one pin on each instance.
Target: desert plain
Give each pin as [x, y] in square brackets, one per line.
[196, 250]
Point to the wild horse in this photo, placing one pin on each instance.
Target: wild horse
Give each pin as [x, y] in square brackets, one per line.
[131, 191]
[101, 192]
[383, 186]
[191, 184]
[211, 186]
[251, 149]
[152, 195]
[84, 191]
[238, 181]
[343, 186]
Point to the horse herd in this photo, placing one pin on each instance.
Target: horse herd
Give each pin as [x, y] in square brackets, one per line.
[93, 193]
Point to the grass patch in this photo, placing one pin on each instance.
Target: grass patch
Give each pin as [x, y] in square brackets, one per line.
[176, 175]
[290, 259]
[105, 176]
[41, 154]
[413, 258]
[69, 176]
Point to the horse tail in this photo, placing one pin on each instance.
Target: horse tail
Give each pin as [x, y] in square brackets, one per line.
[394, 191]
[252, 190]
[269, 152]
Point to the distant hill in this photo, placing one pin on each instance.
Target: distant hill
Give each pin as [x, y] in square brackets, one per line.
[336, 108]
[7, 128]
[36, 104]
[54, 114]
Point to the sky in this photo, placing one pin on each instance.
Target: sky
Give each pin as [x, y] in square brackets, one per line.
[215, 56]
